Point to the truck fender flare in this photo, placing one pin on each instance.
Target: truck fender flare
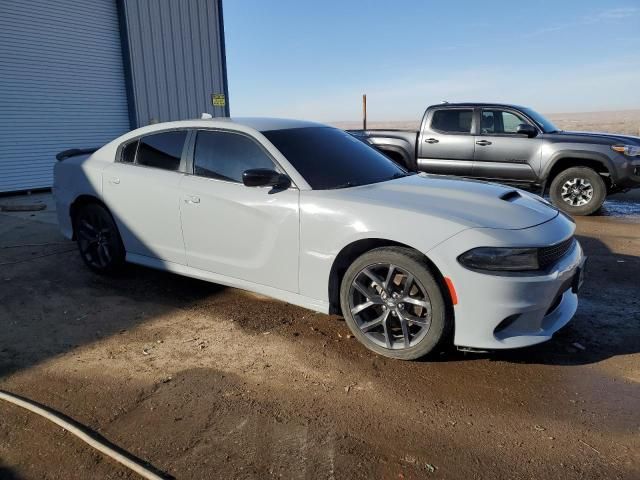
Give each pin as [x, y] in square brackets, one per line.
[577, 155]
[399, 150]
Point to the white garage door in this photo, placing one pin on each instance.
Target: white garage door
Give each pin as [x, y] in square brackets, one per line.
[61, 84]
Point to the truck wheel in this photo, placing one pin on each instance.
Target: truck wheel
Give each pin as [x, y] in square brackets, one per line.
[393, 305]
[99, 241]
[578, 191]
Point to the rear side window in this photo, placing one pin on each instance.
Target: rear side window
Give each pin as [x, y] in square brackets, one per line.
[225, 156]
[128, 154]
[161, 150]
[452, 121]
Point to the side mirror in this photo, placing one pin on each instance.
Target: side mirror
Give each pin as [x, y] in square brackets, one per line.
[263, 177]
[526, 129]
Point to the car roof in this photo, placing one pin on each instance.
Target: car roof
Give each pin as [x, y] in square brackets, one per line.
[478, 104]
[264, 124]
[261, 124]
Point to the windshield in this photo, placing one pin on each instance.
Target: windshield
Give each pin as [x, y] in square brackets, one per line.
[329, 158]
[546, 125]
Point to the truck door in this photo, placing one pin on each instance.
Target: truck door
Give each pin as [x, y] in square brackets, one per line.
[446, 142]
[500, 152]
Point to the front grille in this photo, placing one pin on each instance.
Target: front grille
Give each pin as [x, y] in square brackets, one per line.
[550, 255]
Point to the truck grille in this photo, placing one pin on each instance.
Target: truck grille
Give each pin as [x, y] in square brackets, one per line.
[550, 255]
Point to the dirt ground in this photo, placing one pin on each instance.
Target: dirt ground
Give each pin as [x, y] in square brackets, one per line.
[210, 382]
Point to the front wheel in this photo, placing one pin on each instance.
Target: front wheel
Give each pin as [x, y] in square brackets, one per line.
[98, 239]
[578, 191]
[392, 303]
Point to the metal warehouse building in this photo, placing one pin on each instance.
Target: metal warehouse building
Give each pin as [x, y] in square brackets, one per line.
[78, 73]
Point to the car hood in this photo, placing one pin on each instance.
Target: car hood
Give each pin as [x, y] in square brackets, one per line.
[471, 203]
[594, 137]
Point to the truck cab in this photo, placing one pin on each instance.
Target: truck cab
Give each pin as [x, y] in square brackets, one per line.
[515, 145]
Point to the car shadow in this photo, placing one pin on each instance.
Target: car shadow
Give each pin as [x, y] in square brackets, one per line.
[51, 303]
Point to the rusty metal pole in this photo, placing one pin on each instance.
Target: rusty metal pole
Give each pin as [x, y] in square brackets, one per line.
[364, 111]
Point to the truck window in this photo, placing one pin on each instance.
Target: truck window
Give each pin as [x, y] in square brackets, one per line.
[452, 121]
[500, 121]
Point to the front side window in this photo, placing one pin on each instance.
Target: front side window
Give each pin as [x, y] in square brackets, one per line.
[500, 121]
[162, 150]
[226, 155]
[452, 121]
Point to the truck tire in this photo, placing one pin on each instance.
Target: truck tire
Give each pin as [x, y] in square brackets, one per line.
[578, 191]
[393, 304]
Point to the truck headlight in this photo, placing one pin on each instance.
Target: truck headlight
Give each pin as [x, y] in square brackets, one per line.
[630, 150]
[501, 259]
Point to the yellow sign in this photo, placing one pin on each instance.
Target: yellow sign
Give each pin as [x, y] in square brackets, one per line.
[218, 100]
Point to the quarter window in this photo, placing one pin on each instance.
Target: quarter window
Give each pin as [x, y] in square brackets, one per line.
[452, 121]
[129, 152]
[162, 150]
[500, 121]
[226, 155]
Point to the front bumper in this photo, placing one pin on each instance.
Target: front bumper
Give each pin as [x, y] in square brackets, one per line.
[627, 173]
[506, 310]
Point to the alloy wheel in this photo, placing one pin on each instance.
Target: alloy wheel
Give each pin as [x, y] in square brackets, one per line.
[390, 306]
[577, 192]
[96, 240]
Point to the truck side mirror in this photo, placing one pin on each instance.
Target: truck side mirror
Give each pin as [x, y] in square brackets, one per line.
[526, 129]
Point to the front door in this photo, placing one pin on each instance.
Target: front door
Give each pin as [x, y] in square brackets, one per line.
[247, 233]
[503, 154]
[142, 191]
[446, 142]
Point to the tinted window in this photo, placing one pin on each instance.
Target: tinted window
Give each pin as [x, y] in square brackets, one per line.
[499, 121]
[330, 158]
[161, 150]
[226, 156]
[452, 121]
[128, 154]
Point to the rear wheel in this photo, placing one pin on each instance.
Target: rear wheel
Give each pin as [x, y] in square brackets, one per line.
[98, 239]
[578, 191]
[392, 303]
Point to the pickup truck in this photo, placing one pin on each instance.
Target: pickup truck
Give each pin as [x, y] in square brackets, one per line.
[518, 146]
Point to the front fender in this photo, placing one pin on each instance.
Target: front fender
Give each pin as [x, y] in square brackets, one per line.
[328, 225]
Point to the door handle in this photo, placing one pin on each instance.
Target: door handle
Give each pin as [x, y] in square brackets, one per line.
[431, 140]
[192, 199]
[483, 143]
[114, 180]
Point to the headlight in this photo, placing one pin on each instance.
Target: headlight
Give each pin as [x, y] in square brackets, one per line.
[630, 150]
[498, 258]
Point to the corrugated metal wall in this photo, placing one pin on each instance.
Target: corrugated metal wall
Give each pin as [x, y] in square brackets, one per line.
[175, 57]
[61, 84]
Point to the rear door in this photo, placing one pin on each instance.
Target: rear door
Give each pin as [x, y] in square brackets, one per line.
[500, 152]
[446, 142]
[247, 233]
[142, 191]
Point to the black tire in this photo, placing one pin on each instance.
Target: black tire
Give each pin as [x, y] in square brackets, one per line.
[98, 239]
[578, 191]
[389, 338]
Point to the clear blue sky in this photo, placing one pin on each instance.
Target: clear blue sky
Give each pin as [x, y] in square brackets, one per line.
[314, 58]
